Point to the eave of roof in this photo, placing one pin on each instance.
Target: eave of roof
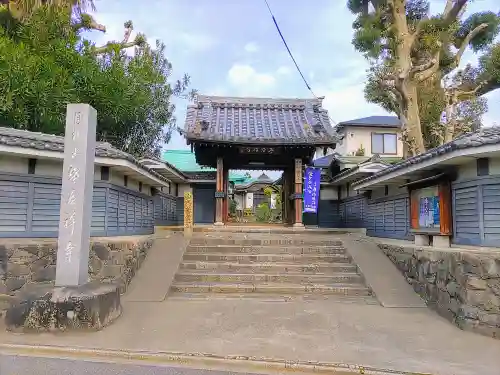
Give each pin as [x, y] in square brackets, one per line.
[482, 137]
[373, 121]
[10, 137]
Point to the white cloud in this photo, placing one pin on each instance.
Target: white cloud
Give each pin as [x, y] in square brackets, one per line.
[247, 81]
[251, 47]
[348, 103]
[284, 70]
[195, 42]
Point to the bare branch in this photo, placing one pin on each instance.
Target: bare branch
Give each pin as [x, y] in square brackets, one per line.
[462, 94]
[88, 22]
[447, 8]
[467, 40]
[433, 67]
[452, 13]
[128, 30]
[422, 67]
[139, 40]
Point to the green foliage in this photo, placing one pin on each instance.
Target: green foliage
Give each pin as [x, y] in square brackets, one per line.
[442, 37]
[483, 39]
[360, 151]
[232, 207]
[263, 213]
[45, 63]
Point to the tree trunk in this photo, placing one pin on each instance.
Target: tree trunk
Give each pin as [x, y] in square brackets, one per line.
[414, 129]
[449, 129]
[405, 83]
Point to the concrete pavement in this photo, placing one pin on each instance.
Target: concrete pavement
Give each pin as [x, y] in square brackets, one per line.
[406, 339]
[13, 365]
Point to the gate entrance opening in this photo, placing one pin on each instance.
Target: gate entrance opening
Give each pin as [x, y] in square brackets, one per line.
[260, 134]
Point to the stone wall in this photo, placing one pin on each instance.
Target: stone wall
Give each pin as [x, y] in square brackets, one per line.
[462, 286]
[34, 262]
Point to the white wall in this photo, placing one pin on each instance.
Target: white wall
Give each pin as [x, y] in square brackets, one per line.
[53, 168]
[327, 193]
[182, 189]
[239, 199]
[11, 164]
[468, 170]
[319, 153]
[249, 200]
[392, 191]
[356, 136]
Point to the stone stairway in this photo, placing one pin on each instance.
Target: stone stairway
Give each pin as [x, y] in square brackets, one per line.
[269, 267]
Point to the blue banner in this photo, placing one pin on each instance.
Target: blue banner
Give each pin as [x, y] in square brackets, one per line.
[311, 190]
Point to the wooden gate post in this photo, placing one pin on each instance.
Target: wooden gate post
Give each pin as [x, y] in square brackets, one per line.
[298, 194]
[219, 193]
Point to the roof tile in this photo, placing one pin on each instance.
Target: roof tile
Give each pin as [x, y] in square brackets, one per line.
[257, 120]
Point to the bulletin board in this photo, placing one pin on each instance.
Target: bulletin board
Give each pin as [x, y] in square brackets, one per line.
[431, 209]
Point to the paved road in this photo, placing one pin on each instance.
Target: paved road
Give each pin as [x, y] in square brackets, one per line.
[16, 365]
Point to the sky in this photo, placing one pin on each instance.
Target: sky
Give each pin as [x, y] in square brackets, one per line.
[231, 47]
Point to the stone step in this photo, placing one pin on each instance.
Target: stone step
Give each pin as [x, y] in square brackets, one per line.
[209, 277]
[251, 258]
[261, 249]
[272, 268]
[272, 288]
[267, 297]
[289, 240]
[247, 229]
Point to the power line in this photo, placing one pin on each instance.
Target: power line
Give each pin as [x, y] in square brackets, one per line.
[288, 49]
[291, 55]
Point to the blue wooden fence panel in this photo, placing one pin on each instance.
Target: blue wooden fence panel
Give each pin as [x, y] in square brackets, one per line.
[476, 211]
[29, 207]
[388, 217]
[166, 212]
[328, 214]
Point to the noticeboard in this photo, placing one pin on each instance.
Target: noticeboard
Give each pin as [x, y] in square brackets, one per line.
[430, 209]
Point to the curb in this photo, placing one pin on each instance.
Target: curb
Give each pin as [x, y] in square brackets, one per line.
[198, 360]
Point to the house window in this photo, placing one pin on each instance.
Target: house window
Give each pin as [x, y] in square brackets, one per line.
[384, 143]
[483, 166]
[105, 173]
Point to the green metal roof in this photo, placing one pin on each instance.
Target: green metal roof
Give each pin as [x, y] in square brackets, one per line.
[185, 161]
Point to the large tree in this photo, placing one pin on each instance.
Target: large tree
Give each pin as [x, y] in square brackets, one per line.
[45, 63]
[412, 51]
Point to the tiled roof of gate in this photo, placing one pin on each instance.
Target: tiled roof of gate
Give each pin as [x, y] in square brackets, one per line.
[481, 137]
[258, 120]
[49, 142]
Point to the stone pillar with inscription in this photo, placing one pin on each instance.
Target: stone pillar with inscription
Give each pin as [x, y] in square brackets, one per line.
[74, 302]
[298, 194]
[76, 196]
[219, 192]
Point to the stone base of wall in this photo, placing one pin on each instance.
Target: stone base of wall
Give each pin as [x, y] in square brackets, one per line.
[27, 262]
[462, 286]
[45, 308]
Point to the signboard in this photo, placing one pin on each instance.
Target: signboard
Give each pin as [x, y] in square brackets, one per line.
[311, 190]
[249, 200]
[188, 212]
[273, 201]
[427, 200]
[258, 150]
